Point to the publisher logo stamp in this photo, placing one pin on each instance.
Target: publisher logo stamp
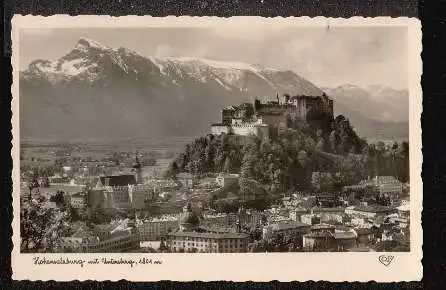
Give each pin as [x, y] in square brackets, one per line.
[386, 259]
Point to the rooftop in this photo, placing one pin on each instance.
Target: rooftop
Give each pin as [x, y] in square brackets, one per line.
[363, 230]
[118, 180]
[78, 195]
[162, 219]
[323, 234]
[322, 226]
[345, 235]
[217, 229]
[209, 235]
[284, 225]
[329, 209]
[373, 209]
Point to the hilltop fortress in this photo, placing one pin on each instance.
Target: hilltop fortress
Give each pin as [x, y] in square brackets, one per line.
[263, 118]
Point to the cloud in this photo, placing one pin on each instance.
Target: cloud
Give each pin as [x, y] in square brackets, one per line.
[166, 50]
[349, 56]
[36, 31]
[245, 33]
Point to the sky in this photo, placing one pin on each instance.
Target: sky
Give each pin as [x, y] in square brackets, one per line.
[327, 57]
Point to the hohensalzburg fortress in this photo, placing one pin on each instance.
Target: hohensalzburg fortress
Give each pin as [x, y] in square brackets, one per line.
[263, 118]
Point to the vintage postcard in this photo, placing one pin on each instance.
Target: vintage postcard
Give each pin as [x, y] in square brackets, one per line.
[205, 148]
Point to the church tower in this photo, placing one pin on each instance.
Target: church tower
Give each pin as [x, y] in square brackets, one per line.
[241, 218]
[137, 169]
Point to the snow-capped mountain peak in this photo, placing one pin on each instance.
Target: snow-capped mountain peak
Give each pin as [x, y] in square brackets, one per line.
[376, 101]
[117, 91]
[86, 43]
[94, 62]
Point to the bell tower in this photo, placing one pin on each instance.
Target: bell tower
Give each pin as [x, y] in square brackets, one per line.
[241, 218]
[137, 169]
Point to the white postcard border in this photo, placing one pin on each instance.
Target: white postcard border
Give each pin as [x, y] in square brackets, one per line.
[233, 267]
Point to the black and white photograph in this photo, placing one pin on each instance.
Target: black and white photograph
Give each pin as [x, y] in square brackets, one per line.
[198, 139]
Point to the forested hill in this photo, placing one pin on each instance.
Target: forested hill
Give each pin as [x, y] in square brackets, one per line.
[287, 161]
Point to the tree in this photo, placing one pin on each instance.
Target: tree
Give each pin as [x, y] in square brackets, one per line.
[45, 183]
[227, 167]
[58, 198]
[163, 247]
[172, 170]
[259, 247]
[40, 228]
[210, 155]
[32, 184]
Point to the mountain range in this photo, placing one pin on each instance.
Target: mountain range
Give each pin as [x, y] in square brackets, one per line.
[103, 92]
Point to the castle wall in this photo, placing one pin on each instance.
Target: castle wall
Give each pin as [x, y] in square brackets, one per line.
[271, 109]
[261, 131]
[220, 129]
[274, 120]
[244, 130]
[271, 115]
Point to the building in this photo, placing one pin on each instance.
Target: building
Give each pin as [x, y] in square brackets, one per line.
[102, 239]
[388, 185]
[328, 199]
[242, 128]
[318, 241]
[287, 228]
[78, 200]
[345, 240]
[95, 198]
[296, 214]
[370, 211]
[322, 228]
[263, 119]
[137, 170]
[226, 179]
[298, 107]
[157, 228]
[365, 234]
[186, 179]
[141, 195]
[330, 241]
[384, 185]
[218, 219]
[404, 210]
[57, 179]
[206, 242]
[190, 238]
[330, 214]
[310, 219]
[254, 218]
[123, 192]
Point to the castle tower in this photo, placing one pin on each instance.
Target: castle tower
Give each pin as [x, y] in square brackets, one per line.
[137, 169]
